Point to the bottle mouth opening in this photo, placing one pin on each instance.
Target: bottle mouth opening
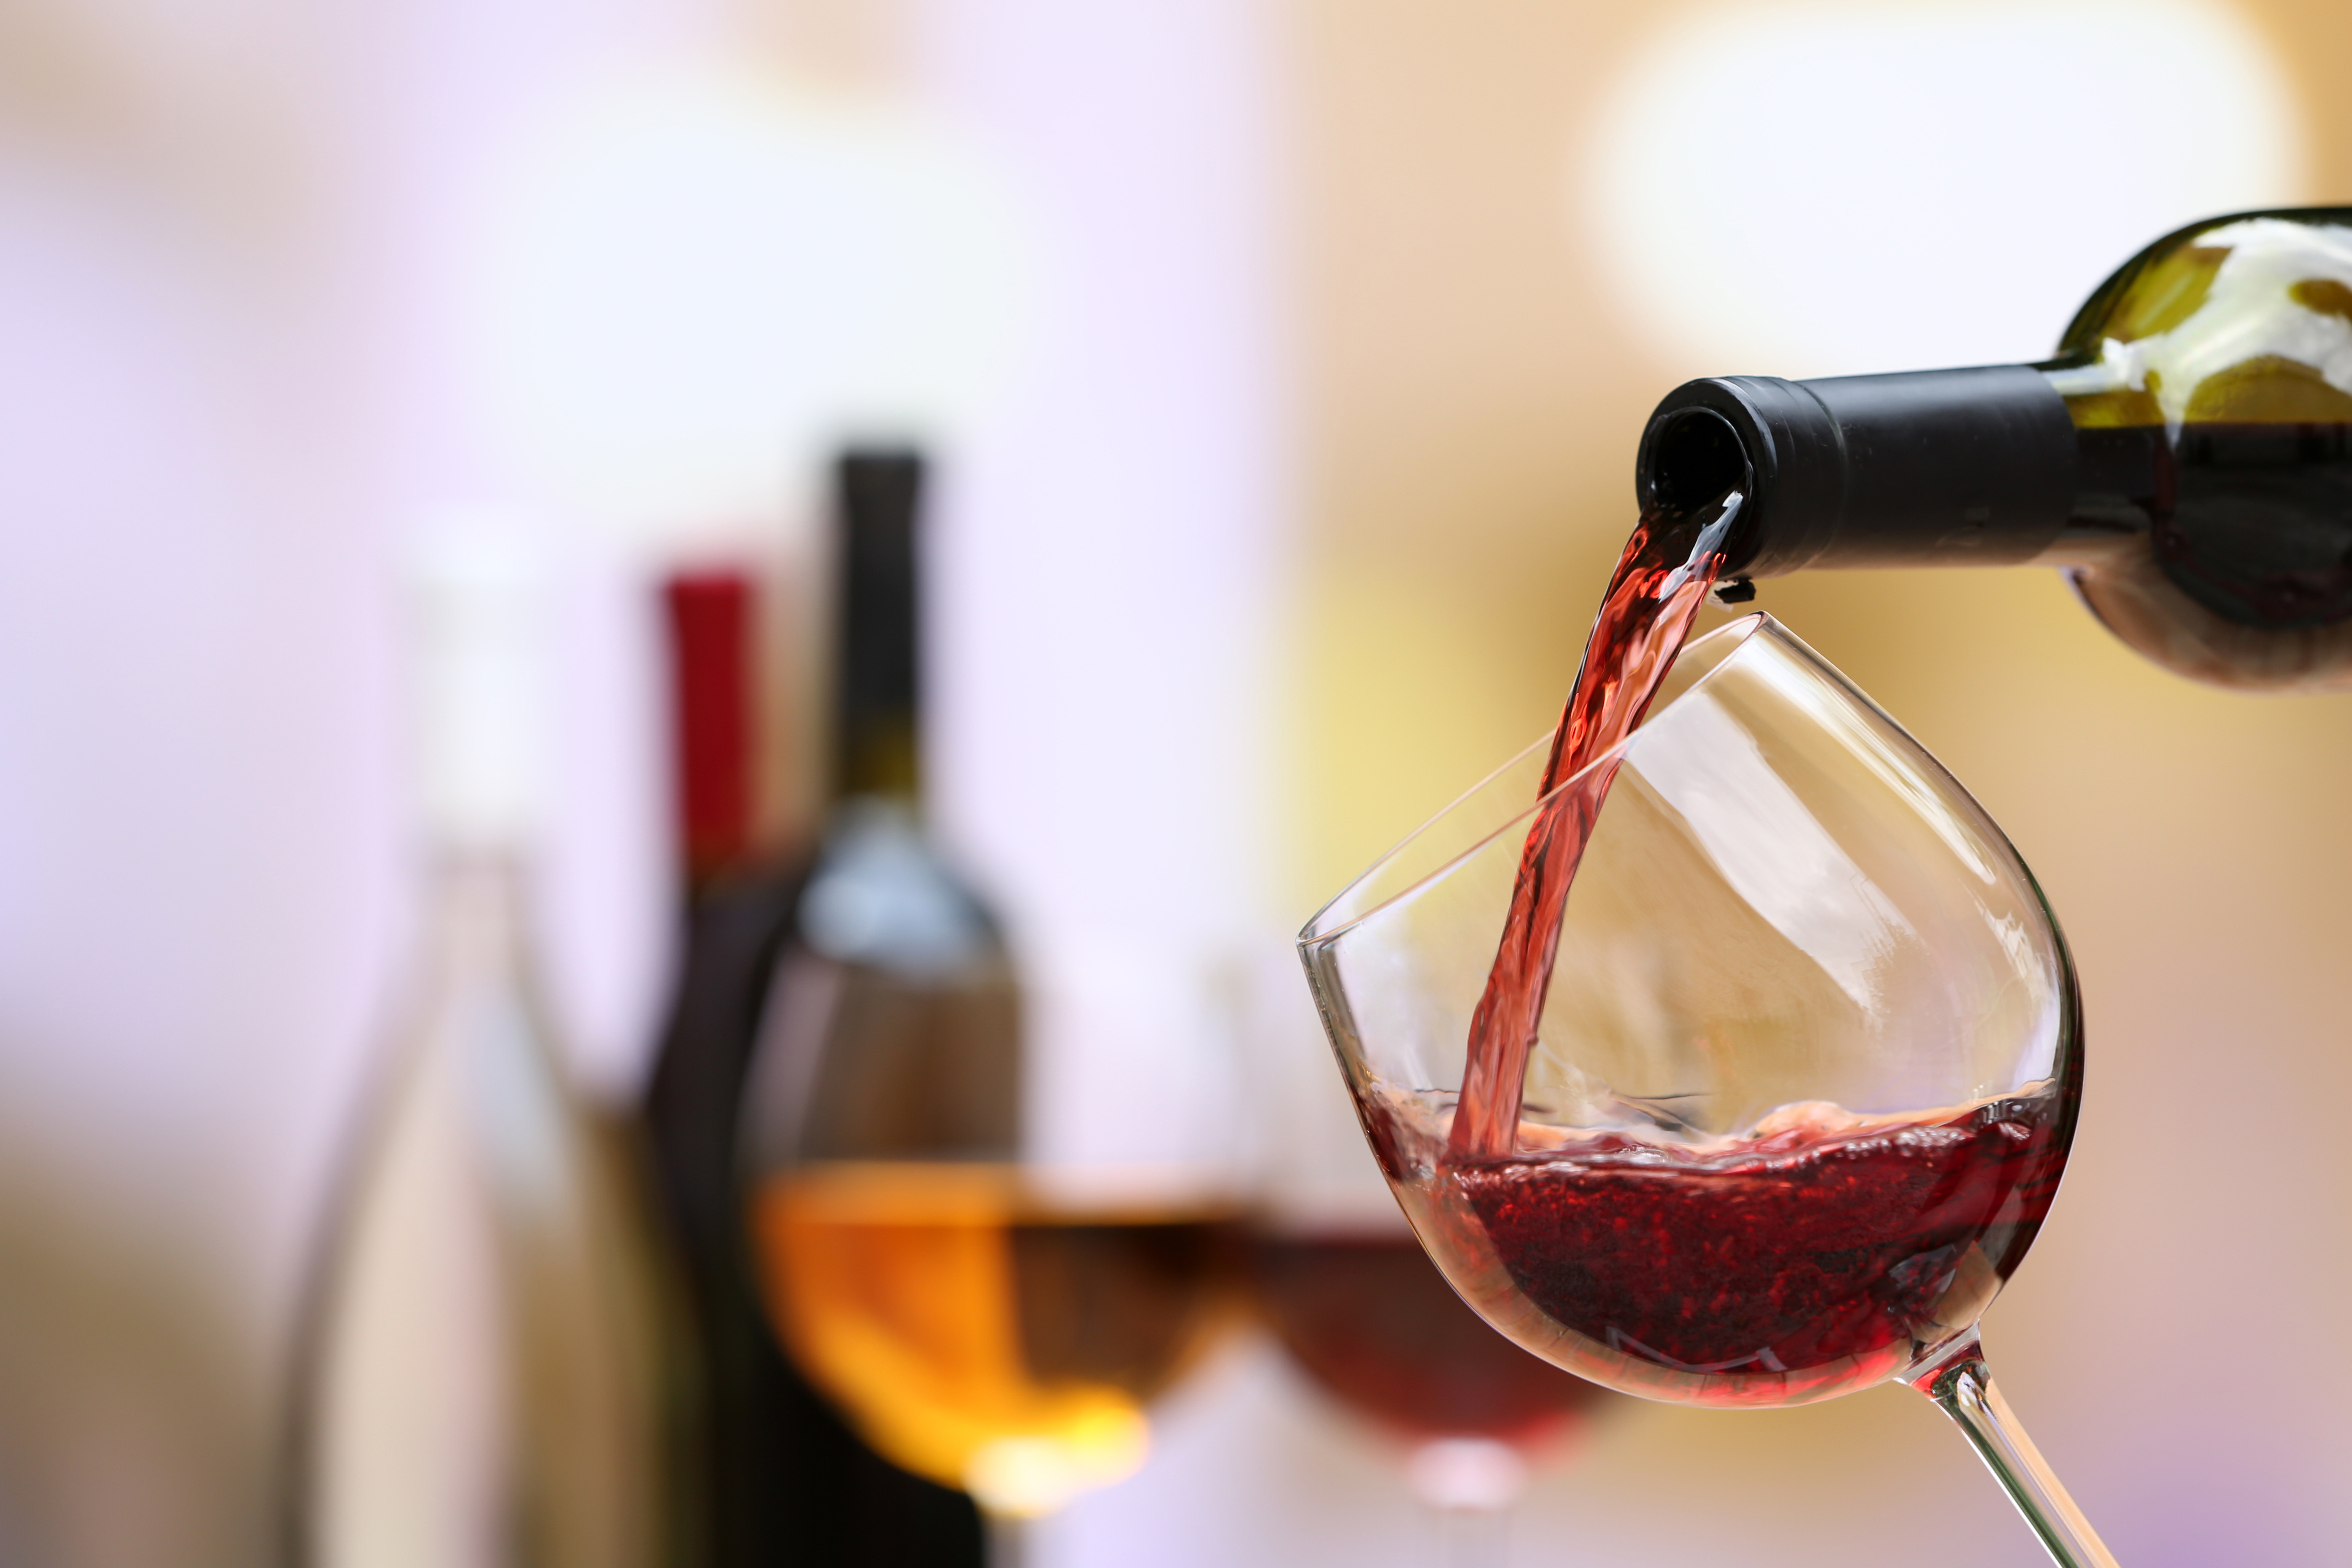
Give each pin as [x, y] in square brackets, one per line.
[1694, 457]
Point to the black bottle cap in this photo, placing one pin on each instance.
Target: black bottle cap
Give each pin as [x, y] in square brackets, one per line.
[878, 653]
[1948, 466]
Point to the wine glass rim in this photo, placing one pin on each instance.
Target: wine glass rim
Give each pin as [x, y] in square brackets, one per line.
[1740, 633]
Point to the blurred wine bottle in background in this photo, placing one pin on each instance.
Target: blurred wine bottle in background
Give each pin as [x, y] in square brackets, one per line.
[483, 1379]
[983, 1318]
[785, 1482]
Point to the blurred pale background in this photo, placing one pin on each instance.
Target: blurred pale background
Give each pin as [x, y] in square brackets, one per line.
[1287, 359]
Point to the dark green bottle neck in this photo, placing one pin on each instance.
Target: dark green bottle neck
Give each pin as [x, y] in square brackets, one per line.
[1977, 466]
[878, 668]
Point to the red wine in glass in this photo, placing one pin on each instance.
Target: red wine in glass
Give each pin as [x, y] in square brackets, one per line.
[1813, 1257]
[1795, 1266]
[1818, 1057]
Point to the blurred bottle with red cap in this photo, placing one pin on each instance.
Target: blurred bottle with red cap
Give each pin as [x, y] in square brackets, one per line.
[784, 1481]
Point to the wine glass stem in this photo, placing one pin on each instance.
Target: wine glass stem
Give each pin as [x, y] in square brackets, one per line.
[1474, 1537]
[1962, 1386]
[1008, 1539]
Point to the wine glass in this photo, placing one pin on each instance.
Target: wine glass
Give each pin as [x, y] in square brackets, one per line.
[1803, 1083]
[988, 1309]
[1360, 1311]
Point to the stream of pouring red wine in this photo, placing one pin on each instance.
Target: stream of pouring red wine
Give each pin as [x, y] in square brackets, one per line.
[1665, 575]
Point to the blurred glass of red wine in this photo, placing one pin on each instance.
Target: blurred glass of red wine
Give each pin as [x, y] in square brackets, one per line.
[1368, 1316]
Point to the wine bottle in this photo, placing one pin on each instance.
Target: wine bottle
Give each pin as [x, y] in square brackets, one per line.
[983, 1317]
[2186, 457]
[783, 1480]
[893, 942]
[481, 1372]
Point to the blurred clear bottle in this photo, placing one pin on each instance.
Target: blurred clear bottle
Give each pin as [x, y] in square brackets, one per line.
[785, 1482]
[2186, 458]
[483, 1380]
